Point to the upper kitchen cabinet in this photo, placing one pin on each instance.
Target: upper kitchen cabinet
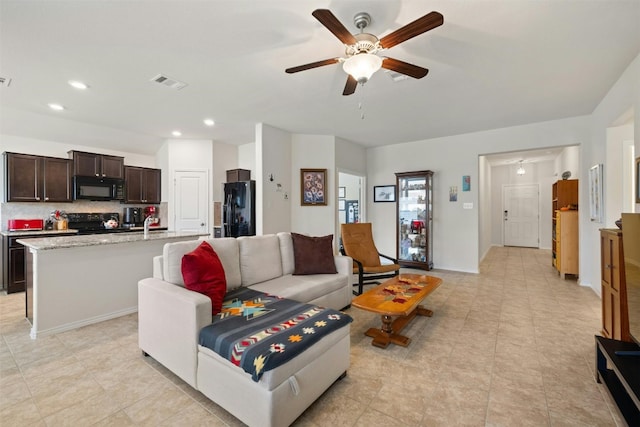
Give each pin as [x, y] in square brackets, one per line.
[142, 185]
[31, 178]
[100, 165]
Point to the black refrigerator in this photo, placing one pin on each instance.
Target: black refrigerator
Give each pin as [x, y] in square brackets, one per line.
[239, 209]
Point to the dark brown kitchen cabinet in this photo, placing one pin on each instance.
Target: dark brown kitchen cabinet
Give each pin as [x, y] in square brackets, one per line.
[142, 185]
[100, 165]
[31, 178]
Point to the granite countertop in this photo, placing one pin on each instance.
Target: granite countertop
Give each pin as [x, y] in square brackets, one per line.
[61, 242]
[36, 232]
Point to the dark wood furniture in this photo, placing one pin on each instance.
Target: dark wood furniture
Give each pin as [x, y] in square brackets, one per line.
[31, 178]
[398, 298]
[414, 208]
[142, 185]
[97, 165]
[14, 273]
[615, 317]
[620, 375]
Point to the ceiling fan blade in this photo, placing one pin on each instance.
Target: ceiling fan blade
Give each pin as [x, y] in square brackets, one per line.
[404, 68]
[415, 28]
[351, 86]
[330, 21]
[312, 65]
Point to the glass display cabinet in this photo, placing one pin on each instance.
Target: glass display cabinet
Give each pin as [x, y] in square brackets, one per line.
[414, 234]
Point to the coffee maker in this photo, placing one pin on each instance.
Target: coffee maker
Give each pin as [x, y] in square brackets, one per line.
[132, 217]
[152, 211]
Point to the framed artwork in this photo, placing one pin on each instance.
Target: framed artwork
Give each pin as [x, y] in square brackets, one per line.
[638, 180]
[313, 187]
[384, 193]
[342, 192]
[595, 193]
[466, 183]
[341, 204]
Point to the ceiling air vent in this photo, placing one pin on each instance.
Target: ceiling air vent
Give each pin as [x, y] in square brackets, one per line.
[396, 77]
[168, 81]
[5, 81]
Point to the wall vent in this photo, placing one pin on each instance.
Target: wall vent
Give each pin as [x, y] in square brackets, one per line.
[5, 81]
[169, 82]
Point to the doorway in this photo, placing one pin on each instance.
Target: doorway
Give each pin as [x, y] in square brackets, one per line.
[350, 200]
[521, 215]
[191, 201]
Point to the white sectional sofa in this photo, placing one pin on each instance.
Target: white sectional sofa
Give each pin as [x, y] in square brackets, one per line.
[171, 317]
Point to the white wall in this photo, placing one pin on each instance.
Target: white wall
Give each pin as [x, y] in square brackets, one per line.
[456, 234]
[273, 203]
[484, 207]
[225, 157]
[313, 152]
[623, 96]
[617, 174]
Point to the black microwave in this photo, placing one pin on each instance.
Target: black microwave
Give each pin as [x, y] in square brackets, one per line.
[90, 188]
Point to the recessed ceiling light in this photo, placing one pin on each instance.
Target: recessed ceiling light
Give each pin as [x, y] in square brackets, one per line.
[78, 85]
[209, 122]
[176, 133]
[56, 107]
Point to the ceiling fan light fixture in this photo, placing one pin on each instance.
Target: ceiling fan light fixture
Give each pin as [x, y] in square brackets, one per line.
[362, 66]
[520, 170]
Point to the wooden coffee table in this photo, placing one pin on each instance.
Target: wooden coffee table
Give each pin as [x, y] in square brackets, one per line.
[399, 297]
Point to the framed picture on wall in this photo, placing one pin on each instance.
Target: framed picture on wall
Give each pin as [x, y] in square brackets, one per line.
[595, 193]
[384, 193]
[313, 187]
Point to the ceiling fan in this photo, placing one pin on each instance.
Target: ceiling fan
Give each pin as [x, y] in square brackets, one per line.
[361, 59]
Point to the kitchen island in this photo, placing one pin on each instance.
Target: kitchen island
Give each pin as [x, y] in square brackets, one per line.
[74, 281]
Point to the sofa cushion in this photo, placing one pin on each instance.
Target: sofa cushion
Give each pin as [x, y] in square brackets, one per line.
[259, 258]
[286, 252]
[226, 248]
[302, 288]
[202, 272]
[313, 255]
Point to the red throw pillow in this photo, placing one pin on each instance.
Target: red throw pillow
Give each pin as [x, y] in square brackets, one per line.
[202, 272]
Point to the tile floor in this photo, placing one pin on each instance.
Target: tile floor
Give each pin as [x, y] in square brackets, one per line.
[511, 346]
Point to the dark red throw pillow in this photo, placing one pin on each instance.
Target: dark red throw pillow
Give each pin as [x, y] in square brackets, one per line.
[313, 255]
[202, 272]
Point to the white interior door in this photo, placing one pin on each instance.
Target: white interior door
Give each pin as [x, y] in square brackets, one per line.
[521, 215]
[191, 201]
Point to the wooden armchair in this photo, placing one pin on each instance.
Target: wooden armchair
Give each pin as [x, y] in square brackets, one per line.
[357, 242]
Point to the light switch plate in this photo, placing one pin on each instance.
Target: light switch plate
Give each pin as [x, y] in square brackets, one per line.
[467, 206]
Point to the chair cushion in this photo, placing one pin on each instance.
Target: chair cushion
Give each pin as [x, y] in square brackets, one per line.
[313, 255]
[357, 240]
[203, 272]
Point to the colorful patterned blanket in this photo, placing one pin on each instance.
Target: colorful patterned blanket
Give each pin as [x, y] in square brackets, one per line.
[259, 332]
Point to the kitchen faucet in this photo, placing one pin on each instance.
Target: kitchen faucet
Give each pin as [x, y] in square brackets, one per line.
[147, 223]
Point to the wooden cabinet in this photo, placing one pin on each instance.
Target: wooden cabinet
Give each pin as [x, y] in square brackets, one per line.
[564, 194]
[142, 185]
[31, 178]
[414, 207]
[565, 243]
[100, 165]
[615, 317]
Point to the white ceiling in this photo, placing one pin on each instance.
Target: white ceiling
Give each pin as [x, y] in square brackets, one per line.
[492, 64]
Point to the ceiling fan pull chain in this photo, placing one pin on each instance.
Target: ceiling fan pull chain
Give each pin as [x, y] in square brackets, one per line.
[361, 102]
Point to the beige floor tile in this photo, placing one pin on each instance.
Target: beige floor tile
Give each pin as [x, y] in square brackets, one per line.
[489, 356]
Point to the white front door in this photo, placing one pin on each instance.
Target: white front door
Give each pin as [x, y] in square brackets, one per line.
[521, 215]
[191, 201]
